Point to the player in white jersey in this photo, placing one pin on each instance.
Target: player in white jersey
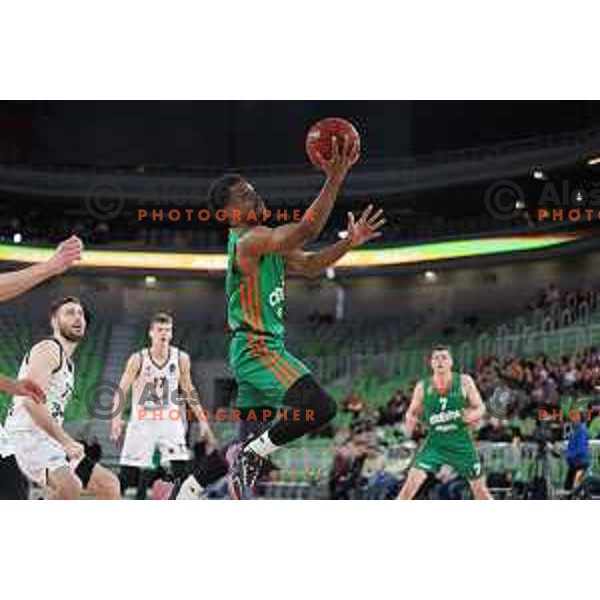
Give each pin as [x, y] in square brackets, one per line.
[13, 485]
[160, 380]
[45, 452]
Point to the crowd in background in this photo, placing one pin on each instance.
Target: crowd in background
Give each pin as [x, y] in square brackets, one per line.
[40, 226]
[541, 383]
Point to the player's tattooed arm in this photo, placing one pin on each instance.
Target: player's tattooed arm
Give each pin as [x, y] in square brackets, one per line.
[132, 369]
[44, 358]
[192, 397]
[416, 408]
[311, 264]
[291, 236]
[16, 283]
[475, 407]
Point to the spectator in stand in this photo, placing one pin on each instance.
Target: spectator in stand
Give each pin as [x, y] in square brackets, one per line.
[394, 410]
[578, 454]
[355, 405]
[346, 472]
[496, 430]
[551, 296]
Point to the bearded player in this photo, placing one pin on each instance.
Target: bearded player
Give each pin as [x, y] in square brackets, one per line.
[13, 484]
[449, 404]
[268, 376]
[45, 452]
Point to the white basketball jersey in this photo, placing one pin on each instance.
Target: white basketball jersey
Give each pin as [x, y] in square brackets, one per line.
[156, 386]
[6, 448]
[58, 393]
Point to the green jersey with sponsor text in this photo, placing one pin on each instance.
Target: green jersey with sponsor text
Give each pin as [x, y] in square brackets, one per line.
[255, 303]
[264, 370]
[449, 441]
[443, 411]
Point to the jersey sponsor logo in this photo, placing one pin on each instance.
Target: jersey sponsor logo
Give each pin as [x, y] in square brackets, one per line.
[276, 299]
[277, 296]
[445, 417]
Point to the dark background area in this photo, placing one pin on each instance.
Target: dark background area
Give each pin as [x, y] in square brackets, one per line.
[237, 133]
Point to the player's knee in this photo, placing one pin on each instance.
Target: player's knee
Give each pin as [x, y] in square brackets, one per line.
[479, 488]
[104, 484]
[69, 489]
[110, 487]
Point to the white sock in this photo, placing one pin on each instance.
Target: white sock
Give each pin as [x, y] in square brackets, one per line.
[262, 445]
[190, 489]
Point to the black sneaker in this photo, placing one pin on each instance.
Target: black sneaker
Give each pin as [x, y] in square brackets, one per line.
[246, 469]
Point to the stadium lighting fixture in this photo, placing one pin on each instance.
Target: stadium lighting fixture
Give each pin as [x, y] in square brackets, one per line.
[150, 280]
[430, 275]
[593, 160]
[538, 173]
[17, 238]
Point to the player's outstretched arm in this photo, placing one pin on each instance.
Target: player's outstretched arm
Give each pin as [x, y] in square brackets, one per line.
[416, 408]
[16, 283]
[286, 238]
[475, 407]
[192, 397]
[44, 358]
[131, 371]
[311, 264]
[22, 387]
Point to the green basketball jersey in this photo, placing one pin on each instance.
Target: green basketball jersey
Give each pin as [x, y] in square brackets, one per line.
[255, 303]
[443, 413]
[449, 441]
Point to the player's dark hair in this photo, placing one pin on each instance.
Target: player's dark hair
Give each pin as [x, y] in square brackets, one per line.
[441, 348]
[162, 317]
[218, 192]
[55, 306]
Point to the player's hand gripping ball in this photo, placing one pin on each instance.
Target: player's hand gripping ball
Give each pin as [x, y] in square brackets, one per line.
[319, 140]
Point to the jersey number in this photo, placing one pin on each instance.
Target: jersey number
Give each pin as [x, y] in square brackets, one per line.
[443, 402]
[159, 385]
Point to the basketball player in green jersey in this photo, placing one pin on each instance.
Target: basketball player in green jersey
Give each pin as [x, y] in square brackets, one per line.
[268, 376]
[449, 404]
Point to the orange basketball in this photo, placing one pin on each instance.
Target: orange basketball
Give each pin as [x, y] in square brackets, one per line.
[319, 139]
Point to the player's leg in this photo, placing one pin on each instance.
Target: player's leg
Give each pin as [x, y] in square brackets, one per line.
[99, 481]
[247, 431]
[213, 466]
[43, 461]
[463, 457]
[206, 470]
[480, 489]
[195, 473]
[13, 484]
[64, 484]
[428, 460]
[267, 375]
[141, 439]
[415, 479]
[128, 477]
[176, 457]
[307, 407]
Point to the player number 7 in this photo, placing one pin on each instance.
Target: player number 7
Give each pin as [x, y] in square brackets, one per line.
[443, 402]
